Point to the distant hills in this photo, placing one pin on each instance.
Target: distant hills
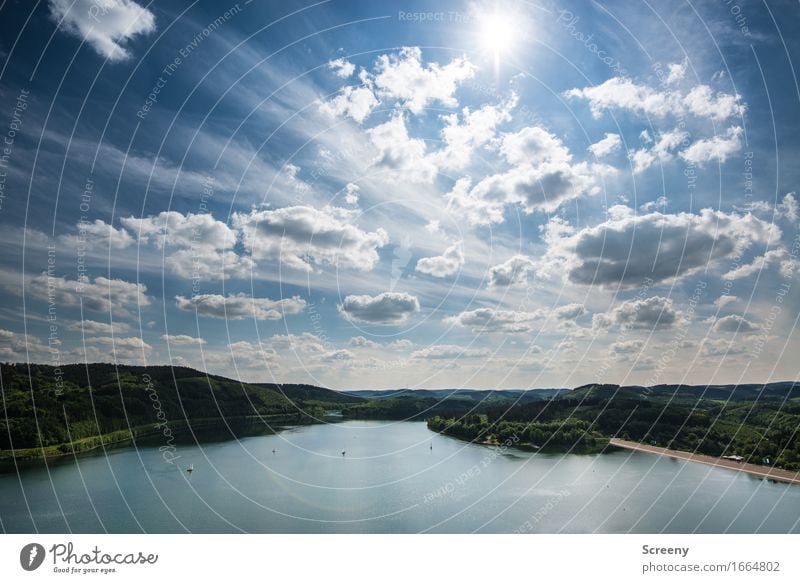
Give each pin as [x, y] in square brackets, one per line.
[49, 411]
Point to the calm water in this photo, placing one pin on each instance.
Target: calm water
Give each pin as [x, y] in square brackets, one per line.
[388, 481]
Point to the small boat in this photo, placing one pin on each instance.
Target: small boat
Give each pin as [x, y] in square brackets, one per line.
[343, 453]
[190, 469]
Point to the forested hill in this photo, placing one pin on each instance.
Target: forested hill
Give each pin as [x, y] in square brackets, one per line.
[45, 406]
[758, 422]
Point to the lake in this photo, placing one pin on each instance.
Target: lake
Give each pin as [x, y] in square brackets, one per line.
[390, 480]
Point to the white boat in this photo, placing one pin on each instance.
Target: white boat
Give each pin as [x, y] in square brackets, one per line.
[190, 469]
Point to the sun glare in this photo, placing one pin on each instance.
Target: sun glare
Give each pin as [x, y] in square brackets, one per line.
[497, 33]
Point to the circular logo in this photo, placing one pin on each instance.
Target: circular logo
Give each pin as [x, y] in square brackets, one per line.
[31, 556]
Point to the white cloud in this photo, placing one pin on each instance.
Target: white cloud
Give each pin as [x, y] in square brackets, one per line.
[101, 294]
[182, 340]
[203, 244]
[608, 145]
[476, 128]
[788, 208]
[449, 351]
[542, 177]
[131, 350]
[94, 327]
[787, 265]
[16, 347]
[622, 93]
[725, 300]
[342, 67]
[337, 356]
[734, 323]
[661, 151]
[351, 193]
[385, 308]
[677, 71]
[570, 311]
[107, 25]
[175, 229]
[445, 265]
[627, 347]
[627, 249]
[240, 306]
[404, 156]
[99, 234]
[361, 342]
[404, 78]
[302, 236]
[492, 320]
[306, 343]
[353, 102]
[512, 272]
[249, 354]
[716, 148]
[648, 314]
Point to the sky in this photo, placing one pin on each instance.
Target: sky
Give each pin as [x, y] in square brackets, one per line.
[403, 194]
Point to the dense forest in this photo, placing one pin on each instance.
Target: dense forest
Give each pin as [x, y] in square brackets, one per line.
[71, 407]
[48, 411]
[758, 422]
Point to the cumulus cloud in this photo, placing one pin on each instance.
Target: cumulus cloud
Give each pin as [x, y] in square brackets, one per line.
[385, 308]
[403, 77]
[725, 300]
[648, 314]
[172, 228]
[661, 151]
[463, 135]
[94, 327]
[444, 265]
[677, 71]
[627, 347]
[719, 347]
[788, 208]
[182, 340]
[342, 67]
[107, 25]
[734, 323]
[99, 233]
[351, 193]
[622, 93]
[353, 102]
[240, 306]
[131, 350]
[541, 177]
[492, 320]
[716, 148]
[249, 354]
[361, 342]
[306, 342]
[101, 294]
[200, 246]
[512, 272]
[570, 311]
[608, 145]
[15, 347]
[303, 236]
[627, 249]
[403, 156]
[760, 263]
[449, 351]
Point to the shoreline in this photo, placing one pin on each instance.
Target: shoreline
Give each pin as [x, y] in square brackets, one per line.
[745, 468]
[146, 434]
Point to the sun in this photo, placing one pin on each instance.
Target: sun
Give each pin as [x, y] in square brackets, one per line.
[497, 33]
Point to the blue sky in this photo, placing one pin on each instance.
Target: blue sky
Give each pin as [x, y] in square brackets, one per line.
[361, 194]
